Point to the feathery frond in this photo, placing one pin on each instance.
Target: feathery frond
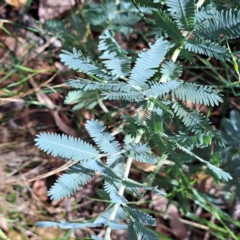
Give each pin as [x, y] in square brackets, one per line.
[132, 234]
[131, 96]
[70, 182]
[200, 140]
[116, 163]
[115, 198]
[104, 140]
[66, 146]
[183, 12]
[81, 98]
[117, 226]
[111, 186]
[220, 173]
[148, 61]
[133, 124]
[154, 122]
[205, 13]
[103, 195]
[140, 152]
[193, 120]
[166, 24]
[66, 225]
[208, 48]
[78, 62]
[162, 110]
[106, 15]
[167, 147]
[121, 215]
[198, 94]
[115, 58]
[226, 22]
[73, 96]
[101, 168]
[160, 89]
[86, 85]
[144, 232]
[171, 70]
[140, 216]
[131, 185]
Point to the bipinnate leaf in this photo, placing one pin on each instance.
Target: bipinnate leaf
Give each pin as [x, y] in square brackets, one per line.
[143, 232]
[101, 168]
[105, 141]
[66, 225]
[115, 198]
[198, 94]
[225, 23]
[70, 182]
[73, 96]
[141, 153]
[88, 85]
[220, 173]
[166, 24]
[104, 220]
[132, 234]
[78, 62]
[121, 215]
[131, 185]
[208, 48]
[183, 12]
[133, 96]
[148, 61]
[115, 58]
[111, 185]
[161, 89]
[117, 226]
[193, 120]
[140, 216]
[116, 163]
[103, 195]
[171, 70]
[205, 13]
[66, 146]
[199, 140]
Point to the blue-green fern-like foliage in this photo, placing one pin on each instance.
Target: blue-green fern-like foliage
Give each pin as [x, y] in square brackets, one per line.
[105, 14]
[154, 82]
[87, 160]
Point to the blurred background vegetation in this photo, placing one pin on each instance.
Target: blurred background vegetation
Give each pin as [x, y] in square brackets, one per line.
[32, 91]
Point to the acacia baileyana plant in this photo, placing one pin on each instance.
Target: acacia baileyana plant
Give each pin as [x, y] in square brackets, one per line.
[183, 28]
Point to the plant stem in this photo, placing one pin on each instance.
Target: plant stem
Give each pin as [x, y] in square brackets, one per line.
[101, 104]
[200, 3]
[122, 187]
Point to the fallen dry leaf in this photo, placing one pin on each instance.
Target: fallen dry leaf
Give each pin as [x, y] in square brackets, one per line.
[144, 166]
[49, 9]
[3, 223]
[179, 230]
[40, 189]
[16, 3]
[17, 45]
[44, 99]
